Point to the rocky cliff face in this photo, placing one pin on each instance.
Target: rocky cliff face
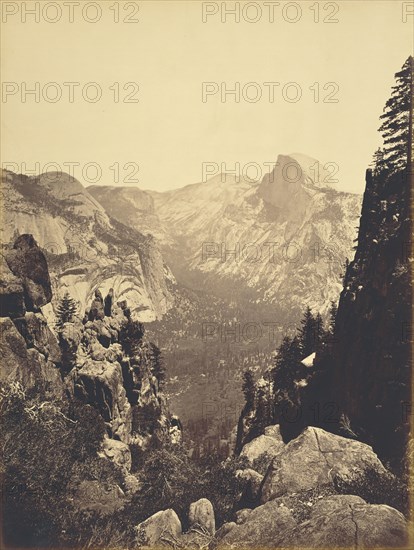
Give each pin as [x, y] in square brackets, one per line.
[360, 381]
[29, 349]
[119, 381]
[282, 241]
[372, 355]
[84, 246]
[86, 360]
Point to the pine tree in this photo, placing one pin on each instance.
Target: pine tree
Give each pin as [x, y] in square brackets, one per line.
[158, 366]
[66, 310]
[262, 409]
[130, 337]
[286, 364]
[396, 128]
[320, 332]
[248, 388]
[333, 310]
[378, 163]
[307, 333]
[345, 268]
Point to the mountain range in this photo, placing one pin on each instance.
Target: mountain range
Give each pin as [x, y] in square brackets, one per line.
[224, 253]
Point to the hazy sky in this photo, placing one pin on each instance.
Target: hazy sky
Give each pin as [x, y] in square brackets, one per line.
[169, 53]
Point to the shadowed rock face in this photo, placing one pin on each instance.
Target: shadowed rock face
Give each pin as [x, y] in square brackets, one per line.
[27, 263]
[29, 350]
[372, 356]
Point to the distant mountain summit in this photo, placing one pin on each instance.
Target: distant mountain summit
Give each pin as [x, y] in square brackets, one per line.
[282, 241]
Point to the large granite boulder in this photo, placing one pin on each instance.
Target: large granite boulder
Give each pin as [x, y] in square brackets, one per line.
[28, 263]
[314, 459]
[267, 445]
[161, 527]
[263, 527]
[201, 514]
[345, 521]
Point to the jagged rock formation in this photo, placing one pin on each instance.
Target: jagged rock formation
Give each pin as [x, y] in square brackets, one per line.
[29, 349]
[372, 356]
[85, 248]
[119, 383]
[89, 355]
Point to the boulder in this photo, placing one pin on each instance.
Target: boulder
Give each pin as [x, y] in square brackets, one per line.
[263, 527]
[348, 521]
[201, 514]
[11, 293]
[28, 263]
[314, 459]
[162, 525]
[269, 444]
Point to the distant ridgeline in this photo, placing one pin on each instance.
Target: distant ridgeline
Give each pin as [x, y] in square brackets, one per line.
[357, 380]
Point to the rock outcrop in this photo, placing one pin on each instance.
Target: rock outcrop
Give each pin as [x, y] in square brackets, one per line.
[114, 377]
[347, 521]
[300, 505]
[372, 356]
[84, 246]
[29, 349]
[162, 527]
[315, 459]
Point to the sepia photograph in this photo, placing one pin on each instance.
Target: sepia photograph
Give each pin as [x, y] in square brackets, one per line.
[206, 274]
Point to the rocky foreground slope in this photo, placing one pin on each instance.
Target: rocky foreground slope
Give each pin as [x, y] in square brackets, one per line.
[299, 502]
[85, 247]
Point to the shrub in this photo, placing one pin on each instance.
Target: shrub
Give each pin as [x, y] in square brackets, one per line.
[375, 488]
[46, 445]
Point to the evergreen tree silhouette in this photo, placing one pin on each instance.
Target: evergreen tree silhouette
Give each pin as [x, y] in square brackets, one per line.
[65, 310]
[396, 128]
